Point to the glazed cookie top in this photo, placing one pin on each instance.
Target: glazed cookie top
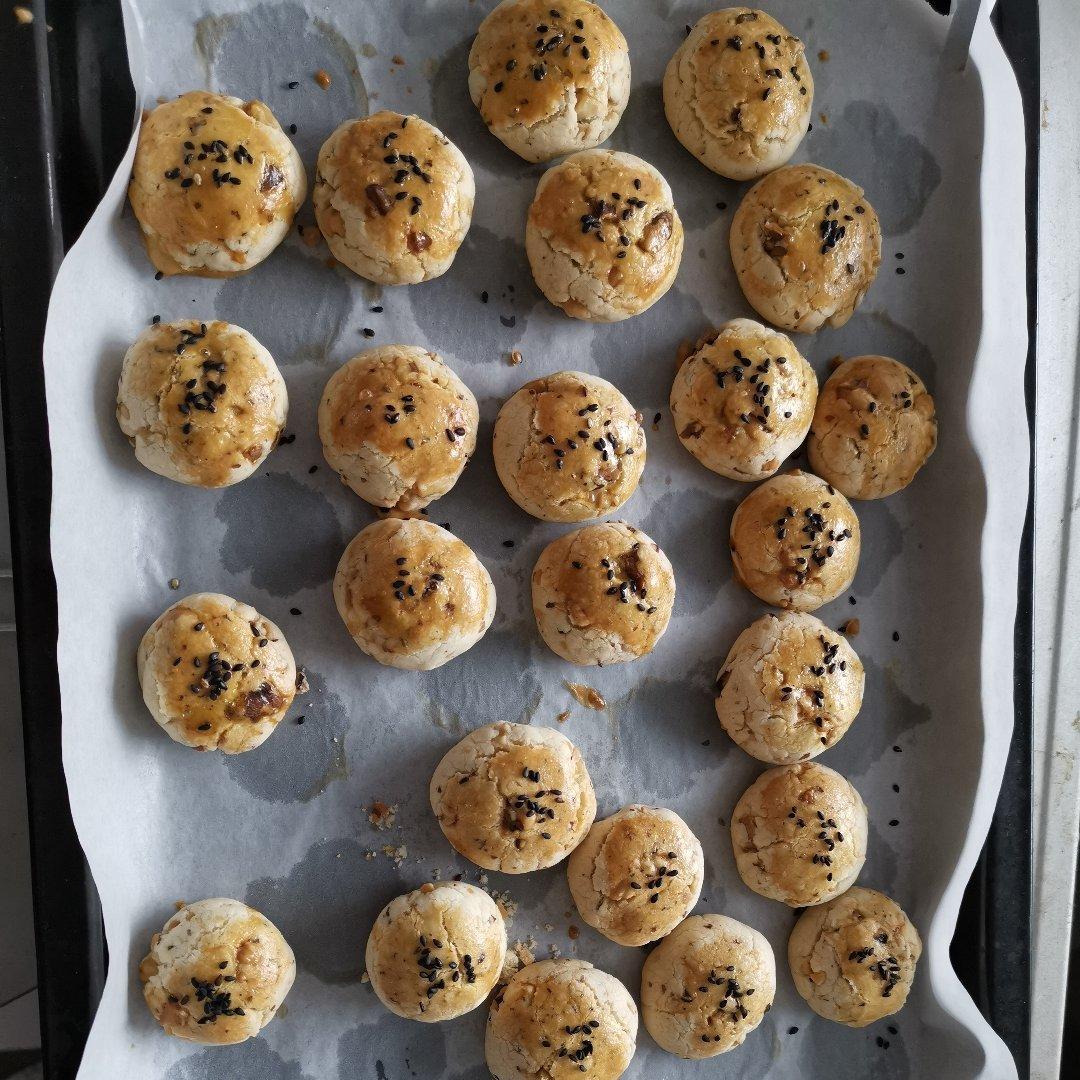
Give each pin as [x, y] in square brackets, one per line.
[874, 428]
[738, 92]
[398, 425]
[436, 952]
[743, 400]
[401, 183]
[215, 673]
[789, 688]
[853, 959]
[637, 874]
[217, 972]
[613, 215]
[799, 834]
[806, 245]
[569, 447]
[534, 58]
[211, 169]
[707, 985]
[608, 584]
[513, 797]
[795, 541]
[203, 401]
[558, 1018]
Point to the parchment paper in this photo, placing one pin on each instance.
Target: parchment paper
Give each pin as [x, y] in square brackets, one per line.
[285, 827]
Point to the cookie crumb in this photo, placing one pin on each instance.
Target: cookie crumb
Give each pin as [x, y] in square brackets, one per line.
[850, 628]
[174, 583]
[302, 684]
[516, 358]
[323, 78]
[572, 932]
[383, 817]
[586, 695]
[22, 15]
[563, 716]
[823, 55]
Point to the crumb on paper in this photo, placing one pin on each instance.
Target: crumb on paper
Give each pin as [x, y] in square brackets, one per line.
[850, 628]
[322, 77]
[364, 979]
[398, 854]
[382, 816]
[823, 55]
[396, 59]
[519, 955]
[370, 855]
[22, 15]
[516, 358]
[174, 583]
[505, 903]
[554, 952]
[656, 422]
[302, 684]
[563, 716]
[310, 234]
[586, 695]
[823, 118]
[572, 932]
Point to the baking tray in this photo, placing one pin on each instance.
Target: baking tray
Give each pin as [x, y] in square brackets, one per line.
[66, 115]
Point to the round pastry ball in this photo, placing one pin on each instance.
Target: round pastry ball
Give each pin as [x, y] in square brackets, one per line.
[549, 80]
[603, 237]
[795, 542]
[853, 959]
[217, 973]
[874, 427]
[436, 952]
[215, 184]
[398, 426]
[557, 1018]
[743, 400]
[707, 986]
[738, 93]
[806, 246]
[637, 874]
[602, 594]
[202, 403]
[569, 447]
[789, 688]
[215, 674]
[393, 198]
[412, 595]
[513, 797]
[799, 834]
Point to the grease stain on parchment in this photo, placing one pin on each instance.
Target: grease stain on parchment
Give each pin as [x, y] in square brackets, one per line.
[299, 761]
[692, 528]
[897, 171]
[451, 308]
[677, 714]
[392, 1049]
[252, 1060]
[638, 354]
[328, 943]
[303, 556]
[273, 44]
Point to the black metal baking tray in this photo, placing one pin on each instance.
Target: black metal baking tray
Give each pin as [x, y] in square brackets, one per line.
[66, 105]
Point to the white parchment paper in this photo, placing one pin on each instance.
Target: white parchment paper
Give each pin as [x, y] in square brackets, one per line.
[284, 827]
